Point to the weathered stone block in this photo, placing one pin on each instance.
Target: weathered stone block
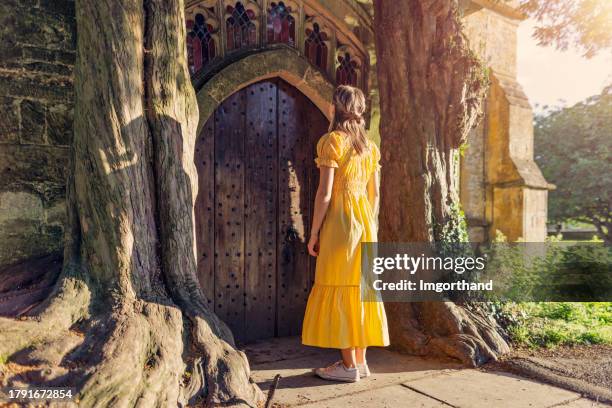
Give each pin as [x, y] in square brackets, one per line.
[20, 207]
[39, 27]
[9, 123]
[46, 68]
[21, 3]
[38, 54]
[66, 57]
[536, 212]
[493, 37]
[33, 122]
[9, 52]
[59, 124]
[473, 187]
[34, 169]
[56, 214]
[23, 232]
[26, 240]
[29, 87]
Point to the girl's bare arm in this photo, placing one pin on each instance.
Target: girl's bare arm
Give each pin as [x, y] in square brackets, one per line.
[322, 199]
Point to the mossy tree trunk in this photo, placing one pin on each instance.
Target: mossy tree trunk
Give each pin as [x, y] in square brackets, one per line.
[127, 318]
[431, 92]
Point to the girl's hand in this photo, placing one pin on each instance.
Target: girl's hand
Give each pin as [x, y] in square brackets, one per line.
[313, 245]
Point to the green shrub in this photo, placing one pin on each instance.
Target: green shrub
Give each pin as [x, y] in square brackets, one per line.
[550, 324]
[591, 338]
[551, 271]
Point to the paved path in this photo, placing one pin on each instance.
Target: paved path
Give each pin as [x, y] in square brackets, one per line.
[397, 381]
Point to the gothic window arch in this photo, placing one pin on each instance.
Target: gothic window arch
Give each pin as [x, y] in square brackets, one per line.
[241, 25]
[348, 66]
[281, 24]
[316, 45]
[224, 29]
[202, 38]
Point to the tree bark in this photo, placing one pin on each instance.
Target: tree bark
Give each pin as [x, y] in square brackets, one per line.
[431, 92]
[128, 297]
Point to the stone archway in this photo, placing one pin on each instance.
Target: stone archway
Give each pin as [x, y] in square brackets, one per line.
[283, 63]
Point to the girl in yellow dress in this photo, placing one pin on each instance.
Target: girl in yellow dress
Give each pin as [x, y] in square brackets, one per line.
[345, 214]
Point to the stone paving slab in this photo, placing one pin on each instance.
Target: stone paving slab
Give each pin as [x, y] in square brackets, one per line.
[476, 389]
[392, 397]
[298, 384]
[397, 381]
[281, 348]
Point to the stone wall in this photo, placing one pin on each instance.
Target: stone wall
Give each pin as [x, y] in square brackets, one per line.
[472, 185]
[36, 105]
[502, 188]
[493, 37]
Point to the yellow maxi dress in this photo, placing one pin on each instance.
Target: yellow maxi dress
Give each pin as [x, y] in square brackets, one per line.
[335, 315]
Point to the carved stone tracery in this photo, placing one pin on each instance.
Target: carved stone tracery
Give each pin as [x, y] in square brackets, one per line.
[219, 29]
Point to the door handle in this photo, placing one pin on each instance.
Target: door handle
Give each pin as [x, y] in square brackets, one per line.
[291, 235]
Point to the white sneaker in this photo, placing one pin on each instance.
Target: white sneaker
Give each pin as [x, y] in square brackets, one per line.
[338, 372]
[364, 370]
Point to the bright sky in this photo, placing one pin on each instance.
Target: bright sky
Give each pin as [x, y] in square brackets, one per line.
[549, 76]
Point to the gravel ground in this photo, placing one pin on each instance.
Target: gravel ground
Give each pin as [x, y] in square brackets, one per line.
[583, 369]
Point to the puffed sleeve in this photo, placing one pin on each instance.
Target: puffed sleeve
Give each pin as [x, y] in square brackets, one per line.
[329, 150]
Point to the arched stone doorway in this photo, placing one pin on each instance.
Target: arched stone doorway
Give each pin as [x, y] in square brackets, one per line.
[265, 73]
[257, 181]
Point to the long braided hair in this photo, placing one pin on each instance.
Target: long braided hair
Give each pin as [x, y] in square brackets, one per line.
[349, 107]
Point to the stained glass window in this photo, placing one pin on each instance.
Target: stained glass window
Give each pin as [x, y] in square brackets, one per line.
[281, 24]
[200, 44]
[241, 31]
[315, 47]
[346, 73]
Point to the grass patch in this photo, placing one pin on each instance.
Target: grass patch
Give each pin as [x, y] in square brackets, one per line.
[550, 324]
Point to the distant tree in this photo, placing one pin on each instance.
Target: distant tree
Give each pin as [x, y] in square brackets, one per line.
[573, 147]
[583, 24]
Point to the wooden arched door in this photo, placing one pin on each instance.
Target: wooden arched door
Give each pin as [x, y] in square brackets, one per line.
[257, 180]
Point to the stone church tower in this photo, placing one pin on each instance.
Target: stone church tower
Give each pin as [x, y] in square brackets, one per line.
[502, 188]
[264, 72]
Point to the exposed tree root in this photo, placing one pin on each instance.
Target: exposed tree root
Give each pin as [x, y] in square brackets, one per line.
[133, 358]
[126, 353]
[52, 319]
[445, 330]
[223, 370]
[141, 354]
